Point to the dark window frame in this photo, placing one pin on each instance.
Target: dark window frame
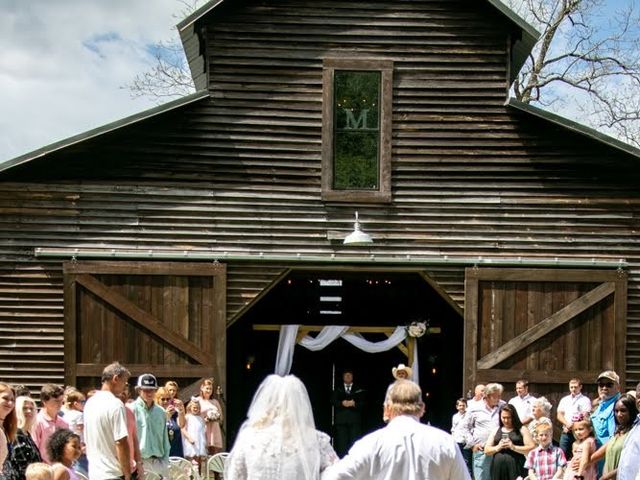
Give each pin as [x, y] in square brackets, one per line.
[385, 67]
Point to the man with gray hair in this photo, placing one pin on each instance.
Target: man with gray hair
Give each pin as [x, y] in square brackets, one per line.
[405, 449]
[479, 424]
[105, 427]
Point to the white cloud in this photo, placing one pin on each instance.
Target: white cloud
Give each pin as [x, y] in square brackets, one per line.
[63, 63]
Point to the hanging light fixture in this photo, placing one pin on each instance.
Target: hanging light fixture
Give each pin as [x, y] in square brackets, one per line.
[357, 237]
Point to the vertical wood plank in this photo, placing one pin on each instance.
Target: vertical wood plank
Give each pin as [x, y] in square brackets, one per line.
[534, 316]
[521, 312]
[571, 339]
[70, 331]
[595, 339]
[608, 333]
[508, 315]
[620, 317]
[168, 315]
[195, 309]
[497, 315]
[220, 324]
[484, 321]
[470, 328]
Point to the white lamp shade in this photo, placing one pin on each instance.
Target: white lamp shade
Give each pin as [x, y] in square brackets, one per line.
[357, 237]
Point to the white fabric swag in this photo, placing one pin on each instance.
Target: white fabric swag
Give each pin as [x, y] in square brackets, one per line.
[287, 343]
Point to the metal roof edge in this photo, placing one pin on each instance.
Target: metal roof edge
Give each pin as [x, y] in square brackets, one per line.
[530, 33]
[574, 126]
[199, 13]
[101, 130]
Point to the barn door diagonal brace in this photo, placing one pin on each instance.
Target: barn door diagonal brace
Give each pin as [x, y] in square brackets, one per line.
[146, 320]
[547, 325]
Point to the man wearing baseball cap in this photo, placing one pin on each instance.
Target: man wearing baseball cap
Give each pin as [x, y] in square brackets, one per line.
[151, 427]
[603, 419]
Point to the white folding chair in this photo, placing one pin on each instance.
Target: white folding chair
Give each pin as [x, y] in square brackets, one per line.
[152, 476]
[215, 464]
[81, 476]
[182, 469]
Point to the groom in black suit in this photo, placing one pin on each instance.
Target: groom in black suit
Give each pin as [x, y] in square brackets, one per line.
[348, 400]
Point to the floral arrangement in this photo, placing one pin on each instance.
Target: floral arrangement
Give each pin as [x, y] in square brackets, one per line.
[213, 415]
[416, 329]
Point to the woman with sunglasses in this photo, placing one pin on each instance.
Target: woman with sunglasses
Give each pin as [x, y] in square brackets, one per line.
[173, 411]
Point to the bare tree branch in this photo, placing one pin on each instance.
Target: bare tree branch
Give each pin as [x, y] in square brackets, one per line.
[584, 60]
[168, 75]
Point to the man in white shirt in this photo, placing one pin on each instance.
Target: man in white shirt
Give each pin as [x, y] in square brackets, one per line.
[105, 428]
[523, 401]
[405, 449]
[569, 410]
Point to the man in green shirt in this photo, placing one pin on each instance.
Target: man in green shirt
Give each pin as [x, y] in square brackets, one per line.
[151, 423]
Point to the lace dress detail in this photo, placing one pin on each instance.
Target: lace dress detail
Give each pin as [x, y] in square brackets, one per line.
[260, 455]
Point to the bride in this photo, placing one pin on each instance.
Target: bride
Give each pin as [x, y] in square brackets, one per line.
[279, 441]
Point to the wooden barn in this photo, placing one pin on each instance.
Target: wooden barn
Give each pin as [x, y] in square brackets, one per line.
[171, 240]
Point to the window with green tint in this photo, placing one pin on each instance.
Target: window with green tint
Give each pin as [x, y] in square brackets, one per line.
[356, 143]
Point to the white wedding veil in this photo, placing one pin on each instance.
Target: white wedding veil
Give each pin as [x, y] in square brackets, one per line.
[281, 409]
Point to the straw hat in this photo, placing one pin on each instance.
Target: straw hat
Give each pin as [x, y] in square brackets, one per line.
[400, 368]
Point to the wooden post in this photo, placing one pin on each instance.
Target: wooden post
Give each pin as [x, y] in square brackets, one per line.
[411, 347]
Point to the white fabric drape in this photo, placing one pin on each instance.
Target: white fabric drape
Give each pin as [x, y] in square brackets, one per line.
[357, 340]
[326, 336]
[287, 343]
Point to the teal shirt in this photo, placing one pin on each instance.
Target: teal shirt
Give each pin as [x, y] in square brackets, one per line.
[603, 420]
[151, 424]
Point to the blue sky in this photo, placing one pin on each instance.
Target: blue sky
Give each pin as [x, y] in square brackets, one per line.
[63, 64]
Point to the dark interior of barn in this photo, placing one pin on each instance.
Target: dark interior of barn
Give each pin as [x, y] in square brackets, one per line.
[354, 298]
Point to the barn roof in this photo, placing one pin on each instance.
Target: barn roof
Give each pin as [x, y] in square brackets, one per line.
[109, 127]
[202, 93]
[575, 127]
[194, 51]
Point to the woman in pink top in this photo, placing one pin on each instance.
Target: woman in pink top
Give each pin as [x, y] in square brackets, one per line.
[211, 412]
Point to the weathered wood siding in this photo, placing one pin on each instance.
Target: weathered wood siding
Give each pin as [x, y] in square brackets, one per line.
[240, 172]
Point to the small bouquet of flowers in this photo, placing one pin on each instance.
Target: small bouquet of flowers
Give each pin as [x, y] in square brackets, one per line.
[416, 329]
[213, 415]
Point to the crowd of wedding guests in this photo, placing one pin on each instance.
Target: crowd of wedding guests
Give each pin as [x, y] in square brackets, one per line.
[599, 438]
[106, 433]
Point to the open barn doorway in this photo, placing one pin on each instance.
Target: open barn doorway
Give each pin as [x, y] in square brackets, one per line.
[354, 298]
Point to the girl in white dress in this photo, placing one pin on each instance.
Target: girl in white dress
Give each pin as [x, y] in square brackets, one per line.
[194, 440]
[279, 441]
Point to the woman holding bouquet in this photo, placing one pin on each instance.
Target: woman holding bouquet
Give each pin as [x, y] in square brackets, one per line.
[211, 412]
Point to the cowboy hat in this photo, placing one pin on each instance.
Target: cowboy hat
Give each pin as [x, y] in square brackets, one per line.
[399, 368]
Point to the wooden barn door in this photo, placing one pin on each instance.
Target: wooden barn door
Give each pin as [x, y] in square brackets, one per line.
[545, 325]
[160, 317]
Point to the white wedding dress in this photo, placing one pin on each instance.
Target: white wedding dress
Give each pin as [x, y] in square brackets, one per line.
[262, 454]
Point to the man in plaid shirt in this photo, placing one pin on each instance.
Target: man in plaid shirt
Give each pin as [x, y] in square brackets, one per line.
[545, 462]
